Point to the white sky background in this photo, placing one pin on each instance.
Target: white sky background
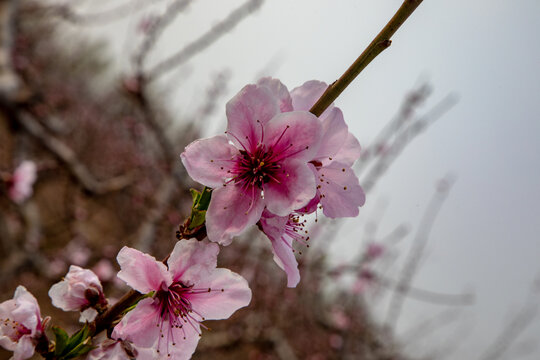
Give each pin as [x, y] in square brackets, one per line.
[487, 237]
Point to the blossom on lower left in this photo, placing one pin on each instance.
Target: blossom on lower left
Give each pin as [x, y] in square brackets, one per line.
[186, 291]
[20, 324]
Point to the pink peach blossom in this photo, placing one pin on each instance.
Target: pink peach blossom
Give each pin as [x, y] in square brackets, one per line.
[338, 188]
[22, 181]
[282, 232]
[186, 291]
[262, 162]
[20, 324]
[80, 291]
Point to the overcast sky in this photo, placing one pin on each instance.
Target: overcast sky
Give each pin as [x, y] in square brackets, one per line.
[486, 51]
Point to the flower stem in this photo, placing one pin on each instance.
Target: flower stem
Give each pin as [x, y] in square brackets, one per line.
[378, 45]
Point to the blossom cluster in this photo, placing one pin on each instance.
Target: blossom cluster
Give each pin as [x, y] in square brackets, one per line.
[276, 163]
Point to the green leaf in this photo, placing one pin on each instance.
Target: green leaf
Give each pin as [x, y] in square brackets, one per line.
[204, 200]
[79, 336]
[61, 339]
[195, 195]
[197, 218]
[80, 349]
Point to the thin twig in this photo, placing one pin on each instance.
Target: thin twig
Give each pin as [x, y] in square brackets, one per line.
[102, 17]
[65, 154]
[203, 42]
[378, 45]
[155, 32]
[412, 261]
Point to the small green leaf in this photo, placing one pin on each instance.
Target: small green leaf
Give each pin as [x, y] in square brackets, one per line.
[204, 200]
[61, 340]
[195, 195]
[197, 218]
[79, 336]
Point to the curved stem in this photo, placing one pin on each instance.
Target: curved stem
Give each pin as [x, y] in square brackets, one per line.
[378, 45]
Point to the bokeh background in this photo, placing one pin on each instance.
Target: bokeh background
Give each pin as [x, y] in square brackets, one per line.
[479, 60]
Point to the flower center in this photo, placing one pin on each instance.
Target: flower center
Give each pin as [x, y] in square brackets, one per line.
[176, 312]
[295, 228]
[13, 329]
[256, 168]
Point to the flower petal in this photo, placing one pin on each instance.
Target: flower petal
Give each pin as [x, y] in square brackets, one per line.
[192, 260]
[208, 160]
[274, 228]
[185, 340]
[334, 135]
[26, 311]
[229, 292]
[349, 152]
[340, 193]
[305, 96]
[25, 348]
[140, 324]
[141, 271]
[294, 134]
[231, 211]
[280, 91]
[272, 225]
[295, 189]
[247, 113]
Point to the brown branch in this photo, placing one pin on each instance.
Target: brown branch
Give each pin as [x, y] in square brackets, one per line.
[378, 45]
[155, 32]
[417, 250]
[403, 138]
[99, 18]
[65, 154]
[203, 42]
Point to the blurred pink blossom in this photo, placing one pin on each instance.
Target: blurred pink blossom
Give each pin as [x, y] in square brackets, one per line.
[20, 324]
[374, 251]
[104, 270]
[187, 291]
[336, 341]
[22, 181]
[339, 319]
[77, 252]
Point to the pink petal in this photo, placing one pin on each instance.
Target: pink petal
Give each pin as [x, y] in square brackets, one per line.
[229, 292]
[272, 225]
[295, 190]
[349, 152]
[274, 228]
[293, 135]
[231, 211]
[140, 324]
[185, 341]
[340, 192]
[106, 351]
[24, 349]
[141, 271]
[305, 96]
[280, 91]
[192, 260]
[26, 310]
[247, 113]
[208, 160]
[334, 135]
